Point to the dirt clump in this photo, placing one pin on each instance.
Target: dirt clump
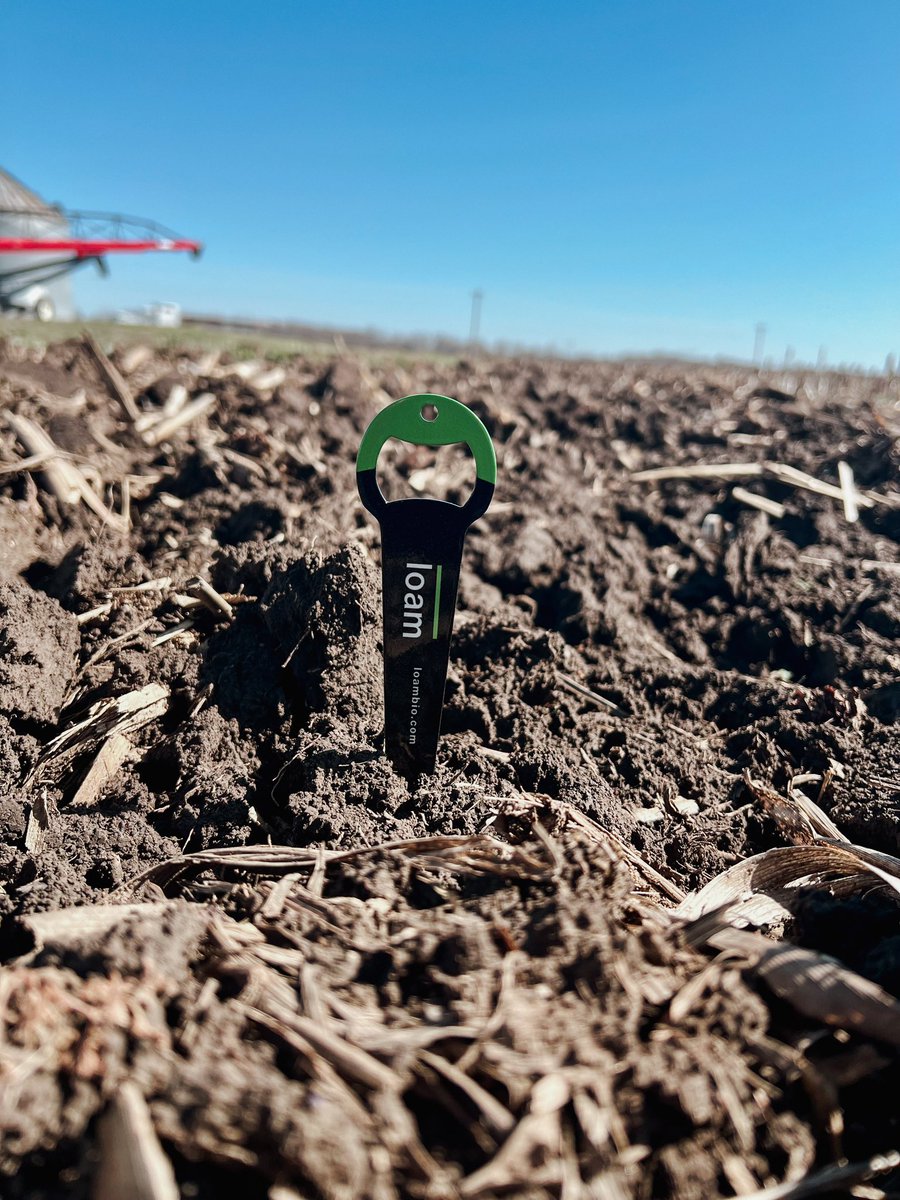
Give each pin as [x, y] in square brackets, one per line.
[39, 644]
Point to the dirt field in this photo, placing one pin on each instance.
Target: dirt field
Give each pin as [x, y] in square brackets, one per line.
[677, 649]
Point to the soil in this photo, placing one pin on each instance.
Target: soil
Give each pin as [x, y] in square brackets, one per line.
[515, 1011]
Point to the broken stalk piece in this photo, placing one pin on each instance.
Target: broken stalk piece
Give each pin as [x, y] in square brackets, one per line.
[421, 553]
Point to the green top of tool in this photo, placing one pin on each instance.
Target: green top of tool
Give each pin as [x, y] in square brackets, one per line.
[453, 423]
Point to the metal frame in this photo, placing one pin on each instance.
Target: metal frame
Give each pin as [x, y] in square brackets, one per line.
[45, 271]
[89, 236]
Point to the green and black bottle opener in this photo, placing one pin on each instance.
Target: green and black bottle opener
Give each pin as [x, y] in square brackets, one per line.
[421, 553]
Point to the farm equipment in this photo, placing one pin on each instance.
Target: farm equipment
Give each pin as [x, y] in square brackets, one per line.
[41, 244]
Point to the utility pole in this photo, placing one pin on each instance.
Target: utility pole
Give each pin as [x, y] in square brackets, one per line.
[475, 319]
[759, 342]
[822, 360]
[789, 356]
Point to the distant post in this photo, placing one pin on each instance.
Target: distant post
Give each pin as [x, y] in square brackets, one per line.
[759, 342]
[475, 319]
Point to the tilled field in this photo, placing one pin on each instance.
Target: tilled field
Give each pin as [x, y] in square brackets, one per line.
[242, 956]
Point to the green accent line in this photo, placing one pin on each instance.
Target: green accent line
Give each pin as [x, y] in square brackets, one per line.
[454, 423]
[437, 601]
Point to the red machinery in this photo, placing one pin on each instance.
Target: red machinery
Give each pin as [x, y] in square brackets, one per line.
[40, 242]
[92, 235]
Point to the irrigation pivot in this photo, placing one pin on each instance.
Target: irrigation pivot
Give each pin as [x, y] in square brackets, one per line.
[421, 553]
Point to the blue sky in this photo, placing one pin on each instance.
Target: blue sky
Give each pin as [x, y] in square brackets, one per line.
[615, 175]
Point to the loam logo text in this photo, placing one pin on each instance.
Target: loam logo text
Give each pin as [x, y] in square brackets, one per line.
[413, 600]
